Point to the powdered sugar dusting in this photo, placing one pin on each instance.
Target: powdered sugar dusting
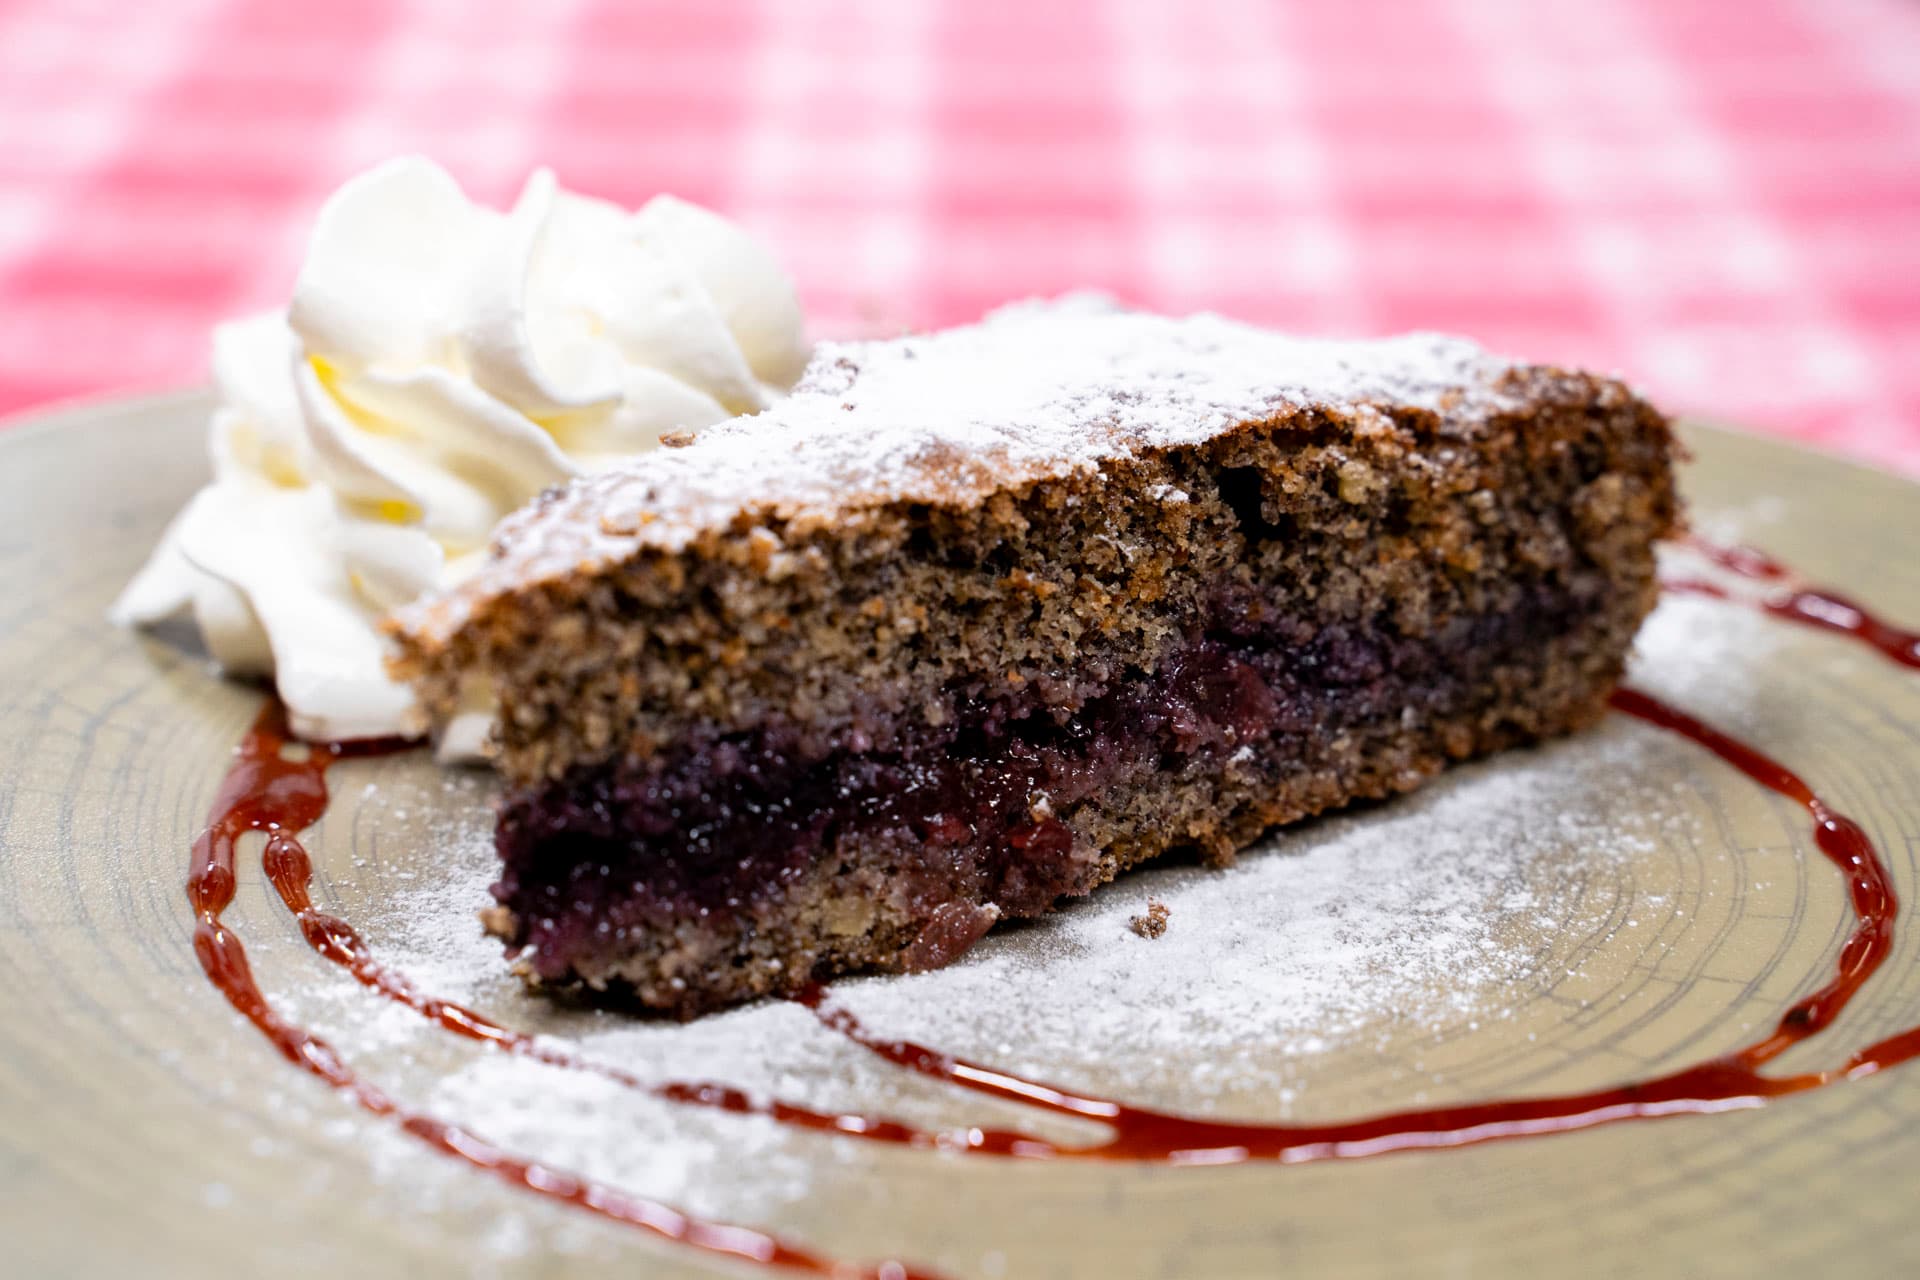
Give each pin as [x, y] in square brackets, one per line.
[1421, 920]
[1423, 913]
[1391, 939]
[1393, 921]
[1037, 390]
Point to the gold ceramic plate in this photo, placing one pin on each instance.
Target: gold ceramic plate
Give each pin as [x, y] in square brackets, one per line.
[1552, 920]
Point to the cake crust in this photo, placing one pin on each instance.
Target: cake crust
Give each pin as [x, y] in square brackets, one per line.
[1037, 391]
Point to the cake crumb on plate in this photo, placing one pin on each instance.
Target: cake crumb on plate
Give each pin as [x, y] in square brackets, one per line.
[1153, 922]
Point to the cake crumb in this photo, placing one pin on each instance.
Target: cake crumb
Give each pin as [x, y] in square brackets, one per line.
[1154, 922]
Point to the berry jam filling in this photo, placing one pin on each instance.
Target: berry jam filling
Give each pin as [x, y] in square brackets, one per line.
[965, 811]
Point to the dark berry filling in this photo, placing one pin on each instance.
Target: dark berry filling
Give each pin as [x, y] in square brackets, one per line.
[966, 811]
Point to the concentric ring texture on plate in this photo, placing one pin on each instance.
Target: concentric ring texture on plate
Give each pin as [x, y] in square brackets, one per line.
[1553, 919]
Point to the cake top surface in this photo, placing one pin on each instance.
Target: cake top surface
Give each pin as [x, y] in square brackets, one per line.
[1037, 390]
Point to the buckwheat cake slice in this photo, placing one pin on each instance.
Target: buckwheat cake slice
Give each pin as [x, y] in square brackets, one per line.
[976, 620]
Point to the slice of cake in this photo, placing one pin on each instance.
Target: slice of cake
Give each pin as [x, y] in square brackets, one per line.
[977, 620]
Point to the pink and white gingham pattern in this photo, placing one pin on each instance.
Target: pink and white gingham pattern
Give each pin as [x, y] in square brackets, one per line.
[1720, 198]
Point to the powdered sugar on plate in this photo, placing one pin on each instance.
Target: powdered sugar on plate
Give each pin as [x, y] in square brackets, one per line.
[1323, 954]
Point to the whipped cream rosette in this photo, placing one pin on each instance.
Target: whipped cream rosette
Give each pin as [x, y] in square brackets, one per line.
[440, 364]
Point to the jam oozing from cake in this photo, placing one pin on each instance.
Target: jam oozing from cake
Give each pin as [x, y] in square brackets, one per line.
[272, 791]
[969, 812]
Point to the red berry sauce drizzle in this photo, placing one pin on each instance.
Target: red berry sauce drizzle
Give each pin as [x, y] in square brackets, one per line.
[1785, 596]
[277, 787]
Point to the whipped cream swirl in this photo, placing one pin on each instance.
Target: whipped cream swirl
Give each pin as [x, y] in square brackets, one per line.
[439, 365]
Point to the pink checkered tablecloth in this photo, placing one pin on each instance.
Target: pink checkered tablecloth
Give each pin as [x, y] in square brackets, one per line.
[1721, 199]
